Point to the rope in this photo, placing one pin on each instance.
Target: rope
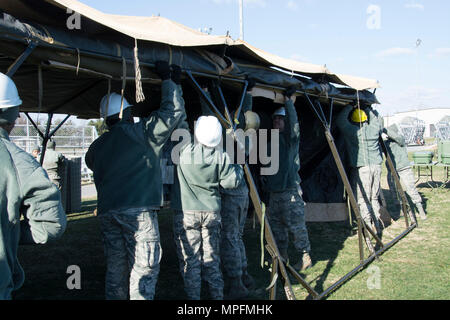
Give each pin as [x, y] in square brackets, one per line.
[79, 60]
[263, 219]
[107, 106]
[138, 78]
[124, 82]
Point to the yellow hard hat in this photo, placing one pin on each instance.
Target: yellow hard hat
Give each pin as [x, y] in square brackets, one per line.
[358, 116]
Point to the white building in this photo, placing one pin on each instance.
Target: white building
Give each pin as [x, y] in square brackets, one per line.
[429, 116]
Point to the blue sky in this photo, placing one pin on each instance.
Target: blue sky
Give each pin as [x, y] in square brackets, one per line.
[374, 39]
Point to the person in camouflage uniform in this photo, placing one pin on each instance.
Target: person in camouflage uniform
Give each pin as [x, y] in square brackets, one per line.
[201, 170]
[54, 163]
[234, 208]
[127, 173]
[286, 208]
[362, 129]
[396, 146]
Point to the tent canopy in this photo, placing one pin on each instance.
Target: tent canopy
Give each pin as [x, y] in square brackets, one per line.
[77, 64]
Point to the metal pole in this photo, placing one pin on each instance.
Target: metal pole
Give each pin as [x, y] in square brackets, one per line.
[46, 137]
[241, 19]
[364, 263]
[20, 60]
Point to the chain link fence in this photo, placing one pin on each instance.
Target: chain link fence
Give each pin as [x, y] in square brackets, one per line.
[72, 141]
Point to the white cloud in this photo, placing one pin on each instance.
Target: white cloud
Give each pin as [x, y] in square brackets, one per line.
[443, 51]
[292, 5]
[394, 52]
[417, 6]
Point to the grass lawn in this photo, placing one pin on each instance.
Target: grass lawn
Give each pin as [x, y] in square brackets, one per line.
[415, 268]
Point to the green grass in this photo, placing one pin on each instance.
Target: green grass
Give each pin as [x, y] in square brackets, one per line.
[415, 268]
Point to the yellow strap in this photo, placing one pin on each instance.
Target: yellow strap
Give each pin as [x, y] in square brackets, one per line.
[263, 218]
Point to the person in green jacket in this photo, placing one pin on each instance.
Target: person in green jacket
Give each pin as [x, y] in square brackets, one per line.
[25, 189]
[396, 146]
[53, 163]
[361, 129]
[202, 169]
[234, 207]
[127, 174]
[286, 209]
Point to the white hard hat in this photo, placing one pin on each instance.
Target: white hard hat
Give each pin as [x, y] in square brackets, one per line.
[208, 131]
[115, 101]
[279, 112]
[9, 97]
[252, 120]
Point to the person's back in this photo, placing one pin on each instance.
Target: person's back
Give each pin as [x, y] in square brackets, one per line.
[201, 170]
[127, 174]
[53, 164]
[361, 129]
[126, 168]
[361, 139]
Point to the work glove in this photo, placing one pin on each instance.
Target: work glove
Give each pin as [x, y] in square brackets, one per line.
[163, 70]
[176, 73]
[251, 84]
[290, 91]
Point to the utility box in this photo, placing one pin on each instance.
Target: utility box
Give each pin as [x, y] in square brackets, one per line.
[71, 185]
[423, 157]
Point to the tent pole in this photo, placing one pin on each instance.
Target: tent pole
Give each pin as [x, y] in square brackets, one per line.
[268, 231]
[20, 60]
[362, 228]
[256, 202]
[46, 137]
[34, 125]
[59, 126]
[398, 185]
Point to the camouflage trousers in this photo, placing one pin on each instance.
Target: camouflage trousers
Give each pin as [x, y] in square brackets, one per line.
[366, 187]
[286, 215]
[232, 248]
[133, 252]
[197, 237]
[408, 184]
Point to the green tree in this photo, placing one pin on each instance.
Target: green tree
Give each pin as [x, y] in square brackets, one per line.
[99, 125]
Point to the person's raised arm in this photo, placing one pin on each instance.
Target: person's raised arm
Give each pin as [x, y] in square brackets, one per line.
[291, 114]
[162, 122]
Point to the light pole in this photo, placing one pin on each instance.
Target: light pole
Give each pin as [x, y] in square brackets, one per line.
[241, 19]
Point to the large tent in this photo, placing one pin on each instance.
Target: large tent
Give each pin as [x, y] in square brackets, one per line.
[65, 56]
[76, 66]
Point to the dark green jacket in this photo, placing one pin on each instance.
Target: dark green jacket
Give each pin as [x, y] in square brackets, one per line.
[287, 177]
[24, 189]
[126, 160]
[361, 140]
[247, 105]
[200, 175]
[396, 147]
